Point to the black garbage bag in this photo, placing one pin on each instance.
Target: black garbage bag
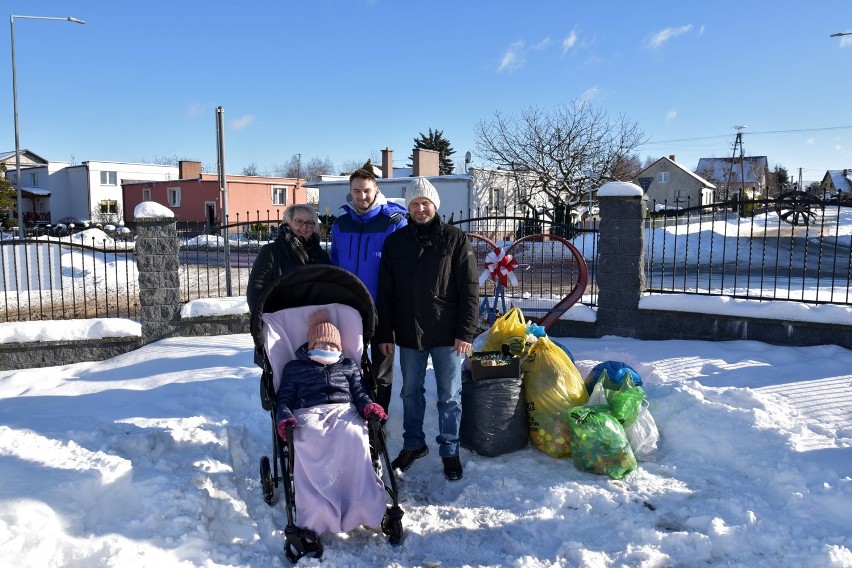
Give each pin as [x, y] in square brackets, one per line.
[494, 416]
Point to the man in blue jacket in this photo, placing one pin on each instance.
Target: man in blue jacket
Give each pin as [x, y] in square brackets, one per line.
[357, 238]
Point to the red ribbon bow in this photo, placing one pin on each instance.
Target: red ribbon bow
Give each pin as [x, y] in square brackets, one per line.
[499, 266]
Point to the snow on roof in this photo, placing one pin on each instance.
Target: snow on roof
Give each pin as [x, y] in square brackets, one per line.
[751, 168]
[842, 179]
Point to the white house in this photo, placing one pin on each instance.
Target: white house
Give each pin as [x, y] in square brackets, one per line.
[87, 191]
[461, 194]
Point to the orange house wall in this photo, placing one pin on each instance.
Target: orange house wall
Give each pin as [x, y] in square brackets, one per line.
[248, 197]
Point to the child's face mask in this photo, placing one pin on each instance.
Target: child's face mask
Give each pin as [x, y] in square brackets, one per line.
[324, 356]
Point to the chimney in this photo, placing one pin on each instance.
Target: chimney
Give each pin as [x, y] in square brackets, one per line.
[425, 163]
[671, 157]
[387, 163]
[189, 170]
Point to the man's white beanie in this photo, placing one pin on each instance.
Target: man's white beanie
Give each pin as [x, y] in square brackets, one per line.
[421, 187]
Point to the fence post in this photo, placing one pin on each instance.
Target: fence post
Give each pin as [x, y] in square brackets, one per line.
[159, 281]
[621, 256]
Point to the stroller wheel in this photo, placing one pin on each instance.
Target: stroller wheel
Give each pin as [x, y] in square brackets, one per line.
[266, 481]
[392, 524]
[301, 542]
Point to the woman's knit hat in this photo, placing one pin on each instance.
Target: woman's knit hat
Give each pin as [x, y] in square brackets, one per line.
[322, 330]
[422, 187]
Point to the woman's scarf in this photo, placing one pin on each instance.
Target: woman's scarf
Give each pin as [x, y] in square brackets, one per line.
[295, 243]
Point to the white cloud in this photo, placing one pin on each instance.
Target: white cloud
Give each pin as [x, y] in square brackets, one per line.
[589, 94]
[569, 41]
[196, 109]
[665, 35]
[810, 141]
[242, 122]
[671, 115]
[543, 44]
[701, 29]
[845, 40]
[514, 57]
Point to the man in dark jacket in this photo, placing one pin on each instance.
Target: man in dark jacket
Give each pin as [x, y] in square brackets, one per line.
[428, 298]
[357, 238]
[297, 244]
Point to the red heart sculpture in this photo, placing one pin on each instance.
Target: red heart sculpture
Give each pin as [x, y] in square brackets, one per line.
[539, 271]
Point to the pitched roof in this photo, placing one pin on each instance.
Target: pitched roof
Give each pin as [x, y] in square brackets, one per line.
[4, 156]
[719, 168]
[842, 179]
[697, 177]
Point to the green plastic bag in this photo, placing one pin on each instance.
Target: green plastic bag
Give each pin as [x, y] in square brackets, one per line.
[599, 443]
[626, 404]
[624, 398]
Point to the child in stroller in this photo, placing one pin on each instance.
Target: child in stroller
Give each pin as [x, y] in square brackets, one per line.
[280, 327]
[321, 396]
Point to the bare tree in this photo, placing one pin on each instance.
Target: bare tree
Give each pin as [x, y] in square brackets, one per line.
[557, 155]
[349, 166]
[250, 170]
[309, 170]
[108, 211]
[175, 160]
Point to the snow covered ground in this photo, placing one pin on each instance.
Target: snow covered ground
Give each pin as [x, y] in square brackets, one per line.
[150, 459]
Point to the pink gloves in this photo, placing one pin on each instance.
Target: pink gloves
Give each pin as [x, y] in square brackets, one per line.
[282, 427]
[375, 409]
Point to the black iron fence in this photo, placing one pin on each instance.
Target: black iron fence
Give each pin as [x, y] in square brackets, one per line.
[547, 270]
[794, 247]
[74, 278]
[791, 248]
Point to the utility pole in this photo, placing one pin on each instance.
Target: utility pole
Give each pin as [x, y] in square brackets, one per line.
[737, 142]
[223, 192]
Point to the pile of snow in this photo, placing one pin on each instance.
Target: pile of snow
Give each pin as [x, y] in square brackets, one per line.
[151, 459]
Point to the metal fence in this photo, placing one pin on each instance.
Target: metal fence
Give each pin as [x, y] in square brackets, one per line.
[794, 247]
[547, 269]
[789, 248]
[71, 278]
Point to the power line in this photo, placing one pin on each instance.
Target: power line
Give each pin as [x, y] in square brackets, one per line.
[750, 134]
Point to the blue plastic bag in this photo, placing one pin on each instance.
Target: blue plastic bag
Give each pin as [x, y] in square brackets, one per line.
[615, 370]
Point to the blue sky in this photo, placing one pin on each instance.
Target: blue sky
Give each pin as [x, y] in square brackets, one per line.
[345, 78]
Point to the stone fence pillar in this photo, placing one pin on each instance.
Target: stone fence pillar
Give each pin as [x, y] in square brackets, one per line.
[621, 255]
[159, 280]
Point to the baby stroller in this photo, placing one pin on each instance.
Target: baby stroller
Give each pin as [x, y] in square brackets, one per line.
[278, 327]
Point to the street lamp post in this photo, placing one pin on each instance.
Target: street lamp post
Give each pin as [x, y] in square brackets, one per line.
[15, 105]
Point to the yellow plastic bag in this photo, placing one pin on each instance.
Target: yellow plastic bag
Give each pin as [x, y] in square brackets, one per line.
[552, 386]
[510, 328]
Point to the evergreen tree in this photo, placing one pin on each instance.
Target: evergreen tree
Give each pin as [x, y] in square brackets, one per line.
[8, 194]
[436, 141]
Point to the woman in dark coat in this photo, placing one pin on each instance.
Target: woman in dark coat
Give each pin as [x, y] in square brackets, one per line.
[297, 244]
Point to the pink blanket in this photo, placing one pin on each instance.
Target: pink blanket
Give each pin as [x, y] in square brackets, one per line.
[337, 488]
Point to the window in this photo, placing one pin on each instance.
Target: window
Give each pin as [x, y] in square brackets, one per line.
[663, 177]
[146, 194]
[34, 179]
[174, 196]
[108, 206]
[680, 197]
[495, 198]
[109, 178]
[279, 196]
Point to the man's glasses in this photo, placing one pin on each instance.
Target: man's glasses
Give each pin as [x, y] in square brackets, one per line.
[300, 223]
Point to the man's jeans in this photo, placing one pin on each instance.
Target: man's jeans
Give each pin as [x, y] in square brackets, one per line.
[447, 366]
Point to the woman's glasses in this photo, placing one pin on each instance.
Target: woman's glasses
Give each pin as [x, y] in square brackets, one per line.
[300, 223]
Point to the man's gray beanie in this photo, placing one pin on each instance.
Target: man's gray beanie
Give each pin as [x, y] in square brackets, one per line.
[422, 187]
